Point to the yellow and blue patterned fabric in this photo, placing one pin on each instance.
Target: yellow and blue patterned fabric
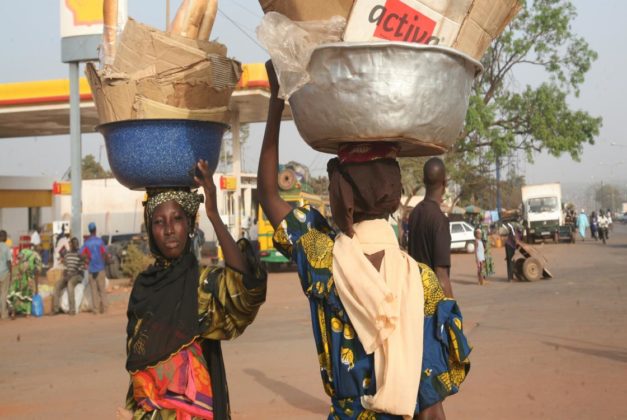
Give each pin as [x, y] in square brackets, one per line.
[347, 371]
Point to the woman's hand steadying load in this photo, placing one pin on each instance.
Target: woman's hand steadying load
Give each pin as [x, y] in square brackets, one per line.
[274, 82]
[232, 254]
[205, 180]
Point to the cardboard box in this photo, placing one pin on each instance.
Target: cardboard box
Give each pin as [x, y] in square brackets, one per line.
[396, 20]
[47, 305]
[155, 73]
[467, 25]
[485, 21]
[300, 10]
[53, 276]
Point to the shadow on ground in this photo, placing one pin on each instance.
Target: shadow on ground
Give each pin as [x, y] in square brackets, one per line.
[616, 355]
[292, 395]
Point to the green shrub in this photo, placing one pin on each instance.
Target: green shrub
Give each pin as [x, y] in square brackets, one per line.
[135, 261]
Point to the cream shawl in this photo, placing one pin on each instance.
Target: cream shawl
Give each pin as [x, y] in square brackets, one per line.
[386, 308]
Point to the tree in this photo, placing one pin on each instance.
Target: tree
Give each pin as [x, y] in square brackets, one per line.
[608, 196]
[512, 191]
[502, 119]
[411, 175]
[538, 118]
[91, 169]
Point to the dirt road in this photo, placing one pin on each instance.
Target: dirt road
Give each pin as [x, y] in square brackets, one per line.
[553, 349]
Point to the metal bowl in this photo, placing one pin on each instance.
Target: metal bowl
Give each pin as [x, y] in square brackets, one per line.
[411, 94]
[160, 153]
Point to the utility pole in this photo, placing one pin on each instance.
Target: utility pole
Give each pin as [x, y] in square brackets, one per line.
[499, 202]
[80, 42]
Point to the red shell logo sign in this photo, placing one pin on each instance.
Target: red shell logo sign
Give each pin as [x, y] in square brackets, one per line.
[85, 12]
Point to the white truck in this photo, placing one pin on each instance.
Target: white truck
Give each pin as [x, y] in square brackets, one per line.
[543, 217]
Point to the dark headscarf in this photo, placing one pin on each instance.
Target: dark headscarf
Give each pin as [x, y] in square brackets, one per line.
[163, 307]
[363, 191]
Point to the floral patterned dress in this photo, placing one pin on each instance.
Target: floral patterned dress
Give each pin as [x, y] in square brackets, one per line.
[347, 371]
[20, 295]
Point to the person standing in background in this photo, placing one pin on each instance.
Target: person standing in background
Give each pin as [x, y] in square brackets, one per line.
[510, 250]
[603, 226]
[61, 247]
[72, 275]
[594, 226]
[25, 284]
[198, 241]
[429, 240]
[5, 274]
[35, 239]
[479, 256]
[94, 251]
[582, 224]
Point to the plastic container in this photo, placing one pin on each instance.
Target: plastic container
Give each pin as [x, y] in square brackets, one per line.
[160, 153]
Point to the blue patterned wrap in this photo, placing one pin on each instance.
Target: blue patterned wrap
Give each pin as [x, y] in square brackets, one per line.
[347, 371]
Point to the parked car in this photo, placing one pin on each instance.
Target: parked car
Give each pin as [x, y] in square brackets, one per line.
[462, 237]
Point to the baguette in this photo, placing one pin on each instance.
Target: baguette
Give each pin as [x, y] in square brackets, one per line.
[208, 20]
[177, 24]
[109, 34]
[188, 18]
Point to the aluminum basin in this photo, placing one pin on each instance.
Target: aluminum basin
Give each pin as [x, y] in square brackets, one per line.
[160, 153]
[411, 94]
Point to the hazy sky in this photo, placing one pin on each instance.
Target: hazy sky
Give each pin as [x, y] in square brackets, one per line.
[31, 51]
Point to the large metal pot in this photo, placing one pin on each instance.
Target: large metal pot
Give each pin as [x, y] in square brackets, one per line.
[414, 95]
[160, 153]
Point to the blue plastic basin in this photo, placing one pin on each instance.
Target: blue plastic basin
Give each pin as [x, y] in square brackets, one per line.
[160, 153]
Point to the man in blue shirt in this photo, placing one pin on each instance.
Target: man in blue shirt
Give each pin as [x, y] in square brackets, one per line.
[94, 252]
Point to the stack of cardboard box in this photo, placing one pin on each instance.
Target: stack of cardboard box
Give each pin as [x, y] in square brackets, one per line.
[469, 26]
[162, 75]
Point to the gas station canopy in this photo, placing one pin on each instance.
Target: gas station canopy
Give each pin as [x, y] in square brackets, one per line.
[42, 108]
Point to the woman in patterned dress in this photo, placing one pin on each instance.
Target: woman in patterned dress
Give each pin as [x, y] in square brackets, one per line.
[178, 315]
[356, 373]
[20, 295]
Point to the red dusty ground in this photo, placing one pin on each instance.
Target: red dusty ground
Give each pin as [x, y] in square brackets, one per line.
[554, 349]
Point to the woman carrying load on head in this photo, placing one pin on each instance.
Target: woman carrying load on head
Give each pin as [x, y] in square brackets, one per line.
[390, 343]
[178, 315]
[20, 297]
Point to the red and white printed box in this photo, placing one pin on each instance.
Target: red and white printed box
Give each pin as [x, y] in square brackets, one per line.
[467, 25]
[427, 22]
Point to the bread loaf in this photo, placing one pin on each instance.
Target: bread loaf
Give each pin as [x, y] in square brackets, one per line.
[109, 35]
[208, 20]
[188, 18]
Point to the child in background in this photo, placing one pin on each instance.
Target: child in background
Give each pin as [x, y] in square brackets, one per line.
[479, 256]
